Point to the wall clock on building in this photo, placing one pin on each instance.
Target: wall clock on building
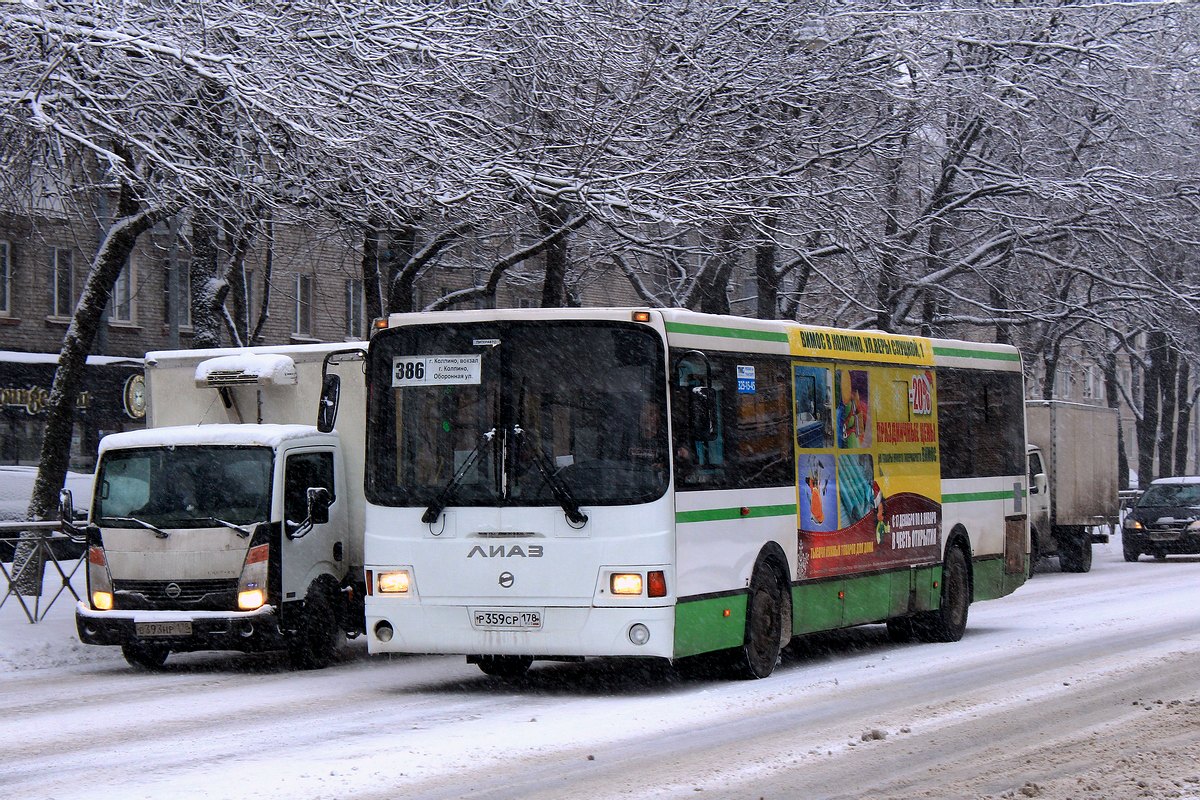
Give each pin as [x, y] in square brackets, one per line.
[135, 396]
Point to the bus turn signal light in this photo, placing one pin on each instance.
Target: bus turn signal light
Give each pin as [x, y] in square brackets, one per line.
[656, 581]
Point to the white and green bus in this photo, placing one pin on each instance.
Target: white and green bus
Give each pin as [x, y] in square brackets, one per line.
[556, 484]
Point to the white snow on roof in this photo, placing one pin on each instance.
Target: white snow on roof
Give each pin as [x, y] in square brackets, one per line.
[272, 369]
[52, 358]
[225, 434]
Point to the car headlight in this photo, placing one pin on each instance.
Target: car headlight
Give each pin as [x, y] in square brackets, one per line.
[1132, 524]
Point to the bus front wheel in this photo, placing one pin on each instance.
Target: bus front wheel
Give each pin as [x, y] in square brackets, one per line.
[764, 627]
[504, 666]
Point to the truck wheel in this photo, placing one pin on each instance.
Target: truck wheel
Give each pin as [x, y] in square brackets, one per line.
[764, 627]
[949, 622]
[145, 656]
[315, 642]
[1075, 552]
[1130, 552]
[504, 666]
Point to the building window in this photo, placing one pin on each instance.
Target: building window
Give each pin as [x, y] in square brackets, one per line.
[354, 308]
[120, 305]
[304, 299]
[62, 279]
[182, 274]
[5, 278]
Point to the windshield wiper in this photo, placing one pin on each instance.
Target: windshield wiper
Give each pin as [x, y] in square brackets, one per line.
[444, 496]
[242, 530]
[159, 532]
[562, 493]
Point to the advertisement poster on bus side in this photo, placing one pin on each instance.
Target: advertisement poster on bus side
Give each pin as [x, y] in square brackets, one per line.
[867, 464]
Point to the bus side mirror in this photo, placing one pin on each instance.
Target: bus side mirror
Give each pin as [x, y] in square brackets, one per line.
[327, 408]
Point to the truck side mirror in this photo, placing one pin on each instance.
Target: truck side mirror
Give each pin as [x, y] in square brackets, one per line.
[319, 501]
[66, 515]
[327, 407]
[1039, 484]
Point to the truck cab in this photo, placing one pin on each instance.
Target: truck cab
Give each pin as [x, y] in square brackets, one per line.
[216, 537]
[228, 535]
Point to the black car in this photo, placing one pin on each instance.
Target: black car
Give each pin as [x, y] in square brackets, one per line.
[1165, 520]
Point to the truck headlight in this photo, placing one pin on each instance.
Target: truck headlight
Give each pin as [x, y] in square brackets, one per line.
[99, 580]
[252, 585]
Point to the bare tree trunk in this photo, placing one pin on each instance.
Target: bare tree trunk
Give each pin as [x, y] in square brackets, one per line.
[766, 280]
[713, 290]
[372, 293]
[1113, 393]
[1183, 421]
[556, 255]
[1166, 423]
[264, 304]
[110, 259]
[1147, 429]
[206, 316]
[401, 281]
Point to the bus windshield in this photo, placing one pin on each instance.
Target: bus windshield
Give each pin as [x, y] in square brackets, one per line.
[189, 486]
[517, 413]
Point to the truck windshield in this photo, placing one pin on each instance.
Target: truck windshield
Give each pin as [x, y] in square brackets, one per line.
[183, 487]
[562, 413]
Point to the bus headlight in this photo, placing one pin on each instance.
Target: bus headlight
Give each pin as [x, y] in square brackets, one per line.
[626, 583]
[398, 582]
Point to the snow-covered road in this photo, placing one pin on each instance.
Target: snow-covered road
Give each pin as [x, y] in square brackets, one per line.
[1077, 686]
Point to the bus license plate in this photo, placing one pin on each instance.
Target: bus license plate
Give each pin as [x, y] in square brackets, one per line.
[506, 619]
[163, 628]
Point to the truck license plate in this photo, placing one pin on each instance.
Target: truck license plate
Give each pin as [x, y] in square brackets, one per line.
[163, 628]
[506, 619]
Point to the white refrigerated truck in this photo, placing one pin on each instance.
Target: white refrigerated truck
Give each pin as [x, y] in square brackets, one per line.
[1072, 479]
[234, 520]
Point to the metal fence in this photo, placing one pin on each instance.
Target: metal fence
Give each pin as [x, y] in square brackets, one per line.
[47, 540]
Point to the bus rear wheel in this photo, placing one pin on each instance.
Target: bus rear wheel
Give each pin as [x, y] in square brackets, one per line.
[949, 622]
[757, 657]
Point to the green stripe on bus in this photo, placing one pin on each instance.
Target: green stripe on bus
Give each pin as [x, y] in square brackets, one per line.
[718, 623]
[717, 514]
[726, 333]
[962, 352]
[991, 580]
[971, 497]
[702, 626]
